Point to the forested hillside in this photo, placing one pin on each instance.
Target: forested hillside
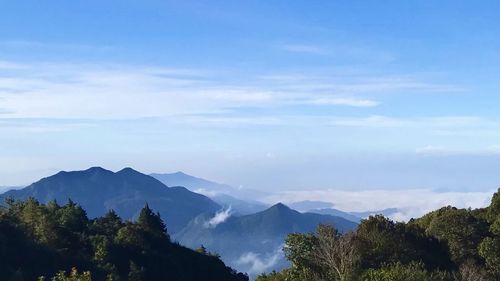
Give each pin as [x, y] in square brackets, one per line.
[43, 241]
[449, 244]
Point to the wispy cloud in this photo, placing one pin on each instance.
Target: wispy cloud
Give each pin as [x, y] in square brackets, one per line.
[303, 48]
[344, 101]
[48, 90]
[219, 217]
[433, 150]
[29, 44]
[259, 263]
[377, 121]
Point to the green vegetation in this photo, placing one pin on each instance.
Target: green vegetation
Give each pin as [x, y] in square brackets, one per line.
[448, 244]
[53, 242]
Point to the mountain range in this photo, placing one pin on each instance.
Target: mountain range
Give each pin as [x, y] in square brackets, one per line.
[253, 243]
[326, 208]
[248, 235]
[242, 201]
[98, 190]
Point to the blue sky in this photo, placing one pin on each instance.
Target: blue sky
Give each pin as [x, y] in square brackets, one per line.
[272, 95]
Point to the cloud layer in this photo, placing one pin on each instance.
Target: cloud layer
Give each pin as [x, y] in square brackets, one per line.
[410, 203]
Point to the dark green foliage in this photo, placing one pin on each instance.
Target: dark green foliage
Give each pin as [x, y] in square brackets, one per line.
[400, 272]
[275, 276]
[386, 242]
[448, 244]
[459, 228]
[39, 240]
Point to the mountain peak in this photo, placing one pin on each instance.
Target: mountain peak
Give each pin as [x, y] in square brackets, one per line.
[94, 170]
[127, 171]
[280, 207]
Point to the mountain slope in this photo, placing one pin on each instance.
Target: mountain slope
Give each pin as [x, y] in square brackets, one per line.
[385, 212]
[98, 190]
[338, 213]
[107, 247]
[259, 235]
[205, 186]
[223, 194]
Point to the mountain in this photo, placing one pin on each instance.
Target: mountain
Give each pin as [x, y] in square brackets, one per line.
[338, 213]
[7, 188]
[304, 206]
[253, 243]
[385, 212]
[226, 195]
[127, 191]
[238, 206]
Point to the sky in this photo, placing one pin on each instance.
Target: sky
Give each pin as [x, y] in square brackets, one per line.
[284, 96]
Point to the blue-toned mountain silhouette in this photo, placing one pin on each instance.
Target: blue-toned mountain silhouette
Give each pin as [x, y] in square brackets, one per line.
[241, 201]
[127, 191]
[260, 235]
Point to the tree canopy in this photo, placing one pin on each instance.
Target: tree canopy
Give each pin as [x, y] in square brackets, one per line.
[448, 244]
[57, 242]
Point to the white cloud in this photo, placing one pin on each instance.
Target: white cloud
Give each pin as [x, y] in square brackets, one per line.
[377, 121]
[432, 150]
[303, 48]
[218, 218]
[260, 263]
[344, 101]
[103, 91]
[410, 203]
[25, 44]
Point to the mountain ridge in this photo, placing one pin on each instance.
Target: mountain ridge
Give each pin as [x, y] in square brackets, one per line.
[126, 191]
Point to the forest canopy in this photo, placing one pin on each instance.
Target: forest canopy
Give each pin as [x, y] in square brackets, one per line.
[448, 244]
[59, 243]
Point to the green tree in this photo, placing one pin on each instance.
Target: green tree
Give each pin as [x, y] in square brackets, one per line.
[136, 273]
[460, 230]
[73, 276]
[152, 222]
[400, 272]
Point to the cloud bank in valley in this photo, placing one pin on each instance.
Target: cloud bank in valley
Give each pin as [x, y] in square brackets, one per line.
[410, 203]
[259, 263]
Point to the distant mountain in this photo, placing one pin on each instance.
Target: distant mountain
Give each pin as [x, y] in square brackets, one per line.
[354, 216]
[239, 206]
[253, 243]
[207, 187]
[385, 212]
[98, 190]
[242, 201]
[304, 206]
[7, 188]
[338, 213]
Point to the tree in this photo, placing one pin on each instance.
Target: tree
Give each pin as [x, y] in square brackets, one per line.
[335, 254]
[107, 225]
[469, 271]
[273, 276]
[399, 272]
[73, 276]
[152, 222]
[490, 251]
[298, 250]
[461, 230]
[73, 217]
[135, 273]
